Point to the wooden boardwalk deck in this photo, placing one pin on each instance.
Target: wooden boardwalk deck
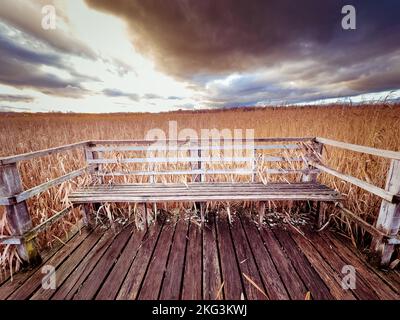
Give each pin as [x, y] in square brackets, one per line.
[178, 260]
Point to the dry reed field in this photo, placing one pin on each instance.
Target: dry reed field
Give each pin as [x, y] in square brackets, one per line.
[376, 125]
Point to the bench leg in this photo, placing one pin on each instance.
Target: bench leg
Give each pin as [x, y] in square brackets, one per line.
[320, 212]
[261, 212]
[88, 218]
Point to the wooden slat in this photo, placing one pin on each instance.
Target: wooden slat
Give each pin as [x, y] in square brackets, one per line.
[41, 153]
[171, 285]
[192, 276]
[332, 277]
[317, 287]
[198, 141]
[233, 287]
[133, 279]
[94, 281]
[49, 184]
[362, 290]
[290, 277]
[86, 264]
[111, 285]
[367, 274]
[388, 196]
[35, 281]
[212, 280]
[206, 171]
[273, 283]
[158, 147]
[190, 159]
[252, 282]
[363, 149]
[68, 266]
[151, 286]
[45, 224]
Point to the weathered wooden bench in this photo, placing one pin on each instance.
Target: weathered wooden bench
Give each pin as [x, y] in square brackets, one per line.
[198, 159]
[111, 162]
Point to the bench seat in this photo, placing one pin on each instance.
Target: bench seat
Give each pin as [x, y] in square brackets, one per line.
[198, 192]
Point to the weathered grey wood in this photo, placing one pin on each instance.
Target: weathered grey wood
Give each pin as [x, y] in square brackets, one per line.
[389, 216]
[87, 215]
[387, 195]
[317, 148]
[202, 192]
[200, 172]
[18, 214]
[195, 147]
[198, 141]
[363, 149]
[11, 240]
[189, 159]
[41, 153]
[261, 212]
[31, 234]
[49, 184]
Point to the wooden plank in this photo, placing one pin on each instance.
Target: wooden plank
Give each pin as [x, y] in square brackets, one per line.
[68, 266]
[158, 147]
[45, 224]
[34, 282]
[389, 216]
[211, 272]
[199, 141]
[112, 284]
[95, 279]
[41, 153]
[290, 277]
[206, 171]
[361, 223]
[391, 278]
[310, 277]
[388, 196]
[233, 286]
[173, 278]
[49, 184]
[330, 276]
[273, 283]
[18, 217]
[188, 198]
[8, 286]
[75, 279]
[192, 277]
[152, 282]
[363, 149]
[362, 290]
[131, 285]
[189, 159]
[372, 279]
[247, 265]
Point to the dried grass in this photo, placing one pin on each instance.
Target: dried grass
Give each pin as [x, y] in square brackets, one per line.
[371, 125]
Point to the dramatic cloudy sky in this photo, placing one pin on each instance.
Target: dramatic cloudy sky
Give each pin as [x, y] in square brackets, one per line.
[157, 55]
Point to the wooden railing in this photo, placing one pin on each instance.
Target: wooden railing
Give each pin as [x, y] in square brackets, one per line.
[13, 197]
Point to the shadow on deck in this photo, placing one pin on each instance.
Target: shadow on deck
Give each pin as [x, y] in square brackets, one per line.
[220, 261]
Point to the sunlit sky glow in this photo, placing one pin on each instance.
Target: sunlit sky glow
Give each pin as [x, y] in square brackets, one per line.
[130, 56]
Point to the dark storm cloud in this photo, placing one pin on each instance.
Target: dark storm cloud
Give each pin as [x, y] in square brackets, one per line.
[116, 93]
[21, 67]
[16, 98]
[201, 41]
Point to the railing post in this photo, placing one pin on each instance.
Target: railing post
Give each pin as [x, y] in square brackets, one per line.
[389, 216]
[316, 152]
[18, 214]
[86, 209]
